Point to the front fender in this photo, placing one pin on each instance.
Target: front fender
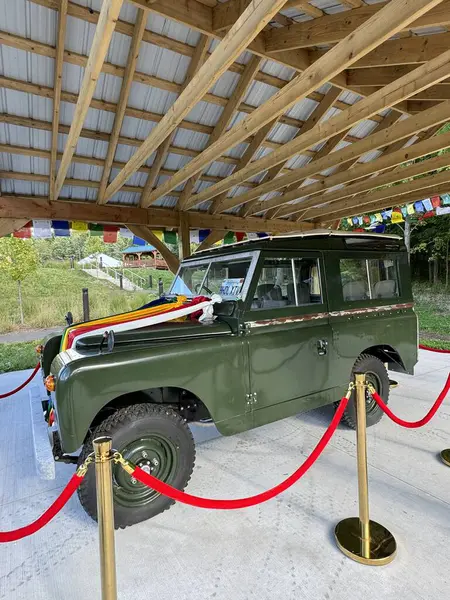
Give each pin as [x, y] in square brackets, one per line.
[214, 369]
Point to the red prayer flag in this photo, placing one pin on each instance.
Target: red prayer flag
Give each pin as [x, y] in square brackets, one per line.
[24, 232]
[239, 236]
[436, 201]
[110, 233]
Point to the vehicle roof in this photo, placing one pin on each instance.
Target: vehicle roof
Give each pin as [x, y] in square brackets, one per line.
[317, 239]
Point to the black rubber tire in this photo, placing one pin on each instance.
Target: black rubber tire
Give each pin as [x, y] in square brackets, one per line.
[126, 426]
[378, 376]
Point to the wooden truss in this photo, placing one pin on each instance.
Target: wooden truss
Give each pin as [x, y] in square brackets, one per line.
[402, 80]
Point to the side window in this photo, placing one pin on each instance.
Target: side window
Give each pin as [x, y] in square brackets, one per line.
[383, 276]
[287, 282]
[366, 279]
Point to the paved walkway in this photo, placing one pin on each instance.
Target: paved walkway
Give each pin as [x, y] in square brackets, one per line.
[27, 336]
[281, 550]
[127, 284]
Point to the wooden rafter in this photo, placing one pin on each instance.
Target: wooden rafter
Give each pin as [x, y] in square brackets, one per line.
[413, 50]
[133, 55]
[59, 62]
[35, 207]
[424, 76]
[147, 234]
[377, 29]
[246, 28]
[400, 131]
[304, 6]
[108, 16]
[225, 119]
[162, 152]
[319, 112]
[334, 28]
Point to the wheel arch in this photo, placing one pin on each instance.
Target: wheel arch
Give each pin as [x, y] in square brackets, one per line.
[387, 354]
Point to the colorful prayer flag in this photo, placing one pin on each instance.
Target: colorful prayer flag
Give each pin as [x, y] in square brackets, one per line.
[443, 210]
[24, 232]
[203, 234]
[410, 209]
[436, 201]
[252, 236]
[194, 236]
[240, 235]
[110, 233]
[96, 229]
[126, 233]
[229, 238]
[61, 228]
[397, 216]
[445, 199]
[137, 241]
[42, 228]
[170, 237]
[159, 234]
[418, 207]
[427, 204]
[79, 226]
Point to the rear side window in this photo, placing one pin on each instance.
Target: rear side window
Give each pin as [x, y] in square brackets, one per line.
[287, 282]
[368, 279]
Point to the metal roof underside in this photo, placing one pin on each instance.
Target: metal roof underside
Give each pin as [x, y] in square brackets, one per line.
[32, 20]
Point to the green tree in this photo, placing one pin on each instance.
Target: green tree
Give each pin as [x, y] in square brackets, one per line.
[18, 259]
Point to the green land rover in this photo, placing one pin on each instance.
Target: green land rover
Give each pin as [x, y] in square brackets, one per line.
[298, 313]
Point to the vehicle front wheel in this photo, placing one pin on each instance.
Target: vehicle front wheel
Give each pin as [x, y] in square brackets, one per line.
[377, 375]
[158, 440]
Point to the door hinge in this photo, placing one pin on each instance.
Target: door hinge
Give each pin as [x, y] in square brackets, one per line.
[244, 329]
[251, 399]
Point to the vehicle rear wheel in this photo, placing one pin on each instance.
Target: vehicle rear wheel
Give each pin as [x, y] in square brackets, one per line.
[158, 440]
[377, 375]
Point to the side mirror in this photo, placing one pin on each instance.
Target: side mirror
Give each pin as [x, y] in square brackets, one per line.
[69, 319]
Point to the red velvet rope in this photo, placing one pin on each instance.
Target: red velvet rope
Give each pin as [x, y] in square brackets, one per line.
[171, 492]
[414, 424]
[52, 511]
[25, 383]
[439, 350]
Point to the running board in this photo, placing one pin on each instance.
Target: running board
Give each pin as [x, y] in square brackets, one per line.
[45, 464]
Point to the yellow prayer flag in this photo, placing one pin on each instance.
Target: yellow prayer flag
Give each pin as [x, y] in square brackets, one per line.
[159, 235]
[396, 217]
[79, 226]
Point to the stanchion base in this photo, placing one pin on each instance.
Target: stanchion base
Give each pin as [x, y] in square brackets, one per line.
[382, 543]
[445, 456]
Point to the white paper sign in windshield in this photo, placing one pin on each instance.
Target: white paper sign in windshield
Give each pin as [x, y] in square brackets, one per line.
[230, 289]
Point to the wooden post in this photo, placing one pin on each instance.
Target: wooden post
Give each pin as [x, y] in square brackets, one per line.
[184, 235]
[85, 304]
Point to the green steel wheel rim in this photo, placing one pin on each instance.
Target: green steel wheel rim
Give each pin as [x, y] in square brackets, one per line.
[155, 454]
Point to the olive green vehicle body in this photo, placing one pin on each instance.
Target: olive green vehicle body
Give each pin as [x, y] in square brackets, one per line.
[248, 368]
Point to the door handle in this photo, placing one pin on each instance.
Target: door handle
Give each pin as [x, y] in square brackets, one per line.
[322, 347]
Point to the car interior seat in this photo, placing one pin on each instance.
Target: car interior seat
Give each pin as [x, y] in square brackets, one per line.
[354, 290]
[385, 289]
[303, 294]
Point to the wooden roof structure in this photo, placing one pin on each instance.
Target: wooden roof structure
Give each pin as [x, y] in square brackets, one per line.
[247, 115]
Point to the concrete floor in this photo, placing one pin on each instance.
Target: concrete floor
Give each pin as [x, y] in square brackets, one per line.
[284, 549]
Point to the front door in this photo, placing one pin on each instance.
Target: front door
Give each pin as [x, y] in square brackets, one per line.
[288, 333]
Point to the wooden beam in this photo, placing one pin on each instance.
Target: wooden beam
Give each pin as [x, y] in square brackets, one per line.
[252, 20]
[107, 21]
[246, 158]
[424, 76]
[8, 226]
[147, 234]
[59, 62]
[304, 6]
[184, 236]
[405, 51]
[334, 28]
[213, 237]
[133, 54]
[225, 119]
[46, 92]
[162, 152]
[399, 131]
[34, 207]
[379, 28]
[362, 198]
[332, 199]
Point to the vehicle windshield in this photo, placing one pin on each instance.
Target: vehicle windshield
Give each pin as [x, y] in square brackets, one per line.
[227, 276]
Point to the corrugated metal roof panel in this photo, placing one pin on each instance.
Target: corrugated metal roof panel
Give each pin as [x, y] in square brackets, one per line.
[303, 109]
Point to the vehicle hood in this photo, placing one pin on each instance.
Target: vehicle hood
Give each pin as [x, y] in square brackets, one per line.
[156, 334]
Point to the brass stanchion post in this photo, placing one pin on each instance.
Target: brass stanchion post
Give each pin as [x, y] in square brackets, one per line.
[360, 538]
[105, 516]
[445, 456]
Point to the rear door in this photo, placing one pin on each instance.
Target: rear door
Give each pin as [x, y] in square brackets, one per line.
[288, 331]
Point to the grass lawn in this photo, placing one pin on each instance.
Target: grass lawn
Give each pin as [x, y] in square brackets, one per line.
[433, 310]
[54, 290]
[18, 356]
